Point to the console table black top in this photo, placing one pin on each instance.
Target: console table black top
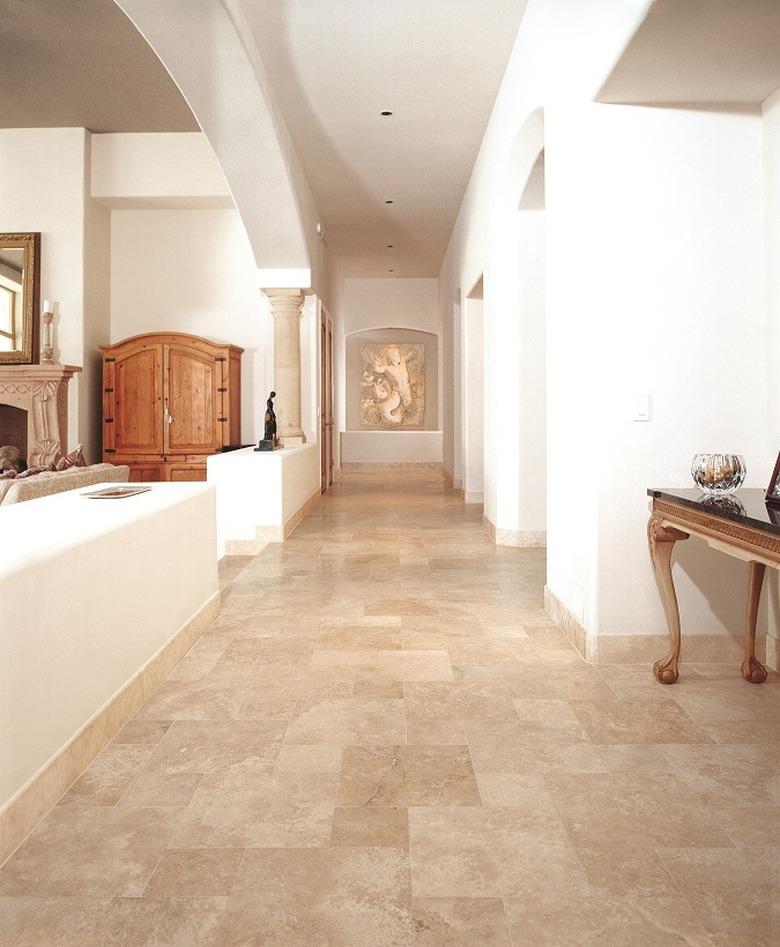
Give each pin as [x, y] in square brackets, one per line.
[745, 506]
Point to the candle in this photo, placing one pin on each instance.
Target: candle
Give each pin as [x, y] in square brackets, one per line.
[48, 306]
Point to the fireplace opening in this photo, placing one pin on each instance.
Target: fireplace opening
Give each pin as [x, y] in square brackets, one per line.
[13, 428]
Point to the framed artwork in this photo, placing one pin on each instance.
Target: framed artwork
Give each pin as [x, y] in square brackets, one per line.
[392, 385]
[773, 490]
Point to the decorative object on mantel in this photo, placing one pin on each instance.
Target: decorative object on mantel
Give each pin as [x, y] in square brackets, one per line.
[718, 474]
[47, 348]
[270, 441]
[750, 533]
[773, 490]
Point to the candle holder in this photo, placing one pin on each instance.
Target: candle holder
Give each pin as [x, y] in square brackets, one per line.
[47, 348]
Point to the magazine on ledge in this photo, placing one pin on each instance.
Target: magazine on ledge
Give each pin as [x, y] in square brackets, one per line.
[115, 493]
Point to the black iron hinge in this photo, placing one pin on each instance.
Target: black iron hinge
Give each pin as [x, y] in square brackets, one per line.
[222, 420]
[110, 359]
[108, 390]
[109, 450]
[221, 389]
[109, 420]
[220, 358]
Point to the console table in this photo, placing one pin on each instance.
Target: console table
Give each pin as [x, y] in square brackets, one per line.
[741, 525]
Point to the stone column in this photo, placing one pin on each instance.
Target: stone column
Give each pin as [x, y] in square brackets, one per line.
[287, 305]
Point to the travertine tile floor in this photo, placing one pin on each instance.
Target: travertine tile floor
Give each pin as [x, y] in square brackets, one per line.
[383, 741]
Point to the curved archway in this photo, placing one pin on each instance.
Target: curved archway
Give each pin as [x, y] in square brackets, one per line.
[207, 54]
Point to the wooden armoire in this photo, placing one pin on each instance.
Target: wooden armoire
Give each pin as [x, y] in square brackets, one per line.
[169, 400]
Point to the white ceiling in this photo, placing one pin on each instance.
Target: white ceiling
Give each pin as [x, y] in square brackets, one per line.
[335, 64]
[81, 63]
[713, 52]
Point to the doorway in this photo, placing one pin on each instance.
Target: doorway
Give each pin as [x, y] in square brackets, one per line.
[326, 400]
[472, 413]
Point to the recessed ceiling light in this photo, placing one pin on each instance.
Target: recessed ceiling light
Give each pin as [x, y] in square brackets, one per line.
[390, 246]
[391, 271]
[385, 113]
[389, 202]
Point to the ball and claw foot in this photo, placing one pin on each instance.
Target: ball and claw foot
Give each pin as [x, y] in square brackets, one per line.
[753, 671]
[666, 671]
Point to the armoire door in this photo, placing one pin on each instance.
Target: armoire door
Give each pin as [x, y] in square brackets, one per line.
[132, 392]
[192, 401]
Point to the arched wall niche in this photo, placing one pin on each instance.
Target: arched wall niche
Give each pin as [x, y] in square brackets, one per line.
[355, 341]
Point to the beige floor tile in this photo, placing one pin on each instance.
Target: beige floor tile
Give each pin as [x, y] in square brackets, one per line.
[142, 731]
[427, 732]
[15, 915]
[728, 775]
[757, 827]
[370, 826]
[312, 758]
[401, 665]
[216, 746]
[352, 897]
[459, 922]
[301, 682]
[602, 922]
[282, 810]
[407, 776]
[356, 720]
[637, 720]
[734, 892]
[135, 922]
[111, 772]
[90, 851]
[360, 638]
[194, 872]
[623, 871]
[627, 810]
[512, 746]
[480, 700]
[160, 789]
[489, 853]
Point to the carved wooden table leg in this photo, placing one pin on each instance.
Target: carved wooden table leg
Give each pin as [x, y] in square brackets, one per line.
[661, 540]
[752, 669]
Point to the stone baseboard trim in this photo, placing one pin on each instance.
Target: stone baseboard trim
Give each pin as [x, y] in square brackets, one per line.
[647, 649]
[42, 791]
[369, 465]
[573, 630]
[519, 538]
[272, 534]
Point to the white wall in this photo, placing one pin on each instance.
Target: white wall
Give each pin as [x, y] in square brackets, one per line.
[193, 271]
[44, 187]
[654, 284]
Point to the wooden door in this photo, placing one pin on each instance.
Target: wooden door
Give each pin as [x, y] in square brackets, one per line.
[192, 401]
[323, 404]
[329, 333]
[326, 400]
[132, 393]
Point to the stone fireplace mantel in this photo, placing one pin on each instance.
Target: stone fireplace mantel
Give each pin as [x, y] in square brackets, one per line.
[41, 391]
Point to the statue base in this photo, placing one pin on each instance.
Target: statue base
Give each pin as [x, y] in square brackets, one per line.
[266, 445]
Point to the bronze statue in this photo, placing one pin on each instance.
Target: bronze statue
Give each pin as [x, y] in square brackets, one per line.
[270, 440]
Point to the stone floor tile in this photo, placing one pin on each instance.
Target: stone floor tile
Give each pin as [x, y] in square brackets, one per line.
[407, 776]
[300, 898]
[111, 772]
[209, 746]
[489, 853]
[354, 720]
[459, 922]
[160, 789]
[15, 914]
[194, 872]
[370, 826]
[606, 922]
[637, 720]
[734, 891]
[311, 758]
[90, 851]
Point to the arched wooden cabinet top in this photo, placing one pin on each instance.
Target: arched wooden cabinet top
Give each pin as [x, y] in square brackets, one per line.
[169, 400]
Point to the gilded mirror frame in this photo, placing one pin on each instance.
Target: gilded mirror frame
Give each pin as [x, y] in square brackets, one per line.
[31, 244]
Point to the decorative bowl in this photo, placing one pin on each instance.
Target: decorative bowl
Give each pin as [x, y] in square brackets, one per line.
[718, 474]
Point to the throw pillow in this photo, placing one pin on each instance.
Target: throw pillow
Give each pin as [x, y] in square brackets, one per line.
[74, 459]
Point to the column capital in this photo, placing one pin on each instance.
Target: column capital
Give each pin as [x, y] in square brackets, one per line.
[285, 301]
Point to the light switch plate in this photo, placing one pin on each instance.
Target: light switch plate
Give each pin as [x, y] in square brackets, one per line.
[642, 408]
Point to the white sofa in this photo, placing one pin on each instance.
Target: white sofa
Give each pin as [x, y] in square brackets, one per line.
[50, 482]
